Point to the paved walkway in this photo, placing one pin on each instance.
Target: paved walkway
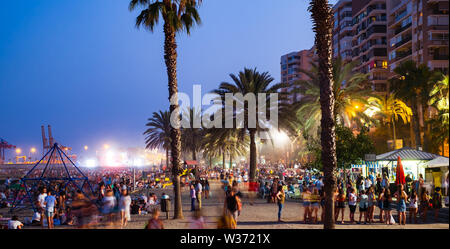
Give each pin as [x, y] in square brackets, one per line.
[263, 215]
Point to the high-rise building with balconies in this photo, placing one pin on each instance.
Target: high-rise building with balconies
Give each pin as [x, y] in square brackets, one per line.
[418, 31]
[342, 30]
[291, 66]
[369, 42]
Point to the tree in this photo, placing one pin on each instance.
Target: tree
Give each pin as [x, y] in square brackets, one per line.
[178, 16]
[322, 17]
[253, 82]
[350, 91]
[191, 137]
[158, 133]
[350, 148]
[412, 85]
[389, 110]
[439, 99]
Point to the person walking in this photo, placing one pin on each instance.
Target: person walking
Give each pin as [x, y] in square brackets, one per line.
[352, 199]
[198, 194]
[154, 222]
[340, 207]
[437, 202]
[380, 204]
[424, 204]
[307, 205]
[124, 208]
[193, 197]
[315, 204]
[401, 205]
[233, 204]
[371, 201]
[363, 206]
[280, 196]
[41, 204]
[50, 203]
[413, 206]
[387, 206]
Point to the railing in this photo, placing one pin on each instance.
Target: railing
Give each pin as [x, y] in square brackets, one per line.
[403, 41]
[440, 57]
[397, 31]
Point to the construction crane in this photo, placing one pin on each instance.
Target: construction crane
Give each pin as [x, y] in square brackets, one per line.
[48, 144]
[4, 146]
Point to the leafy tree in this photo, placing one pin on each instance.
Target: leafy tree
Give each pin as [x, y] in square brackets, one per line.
[253, 82]
[412, 85]
[389, 110]
[158, 132]
[350, 91]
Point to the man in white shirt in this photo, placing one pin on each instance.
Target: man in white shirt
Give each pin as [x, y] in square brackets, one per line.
[41, 203]
[14, 223]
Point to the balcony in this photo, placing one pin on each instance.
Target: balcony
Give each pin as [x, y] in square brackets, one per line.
[437, 26]
[399, 30]
[403, 41]
[440, 57]
[401, 55]
[438, 42]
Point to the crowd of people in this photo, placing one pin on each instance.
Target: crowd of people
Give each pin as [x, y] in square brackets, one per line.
[112, 196]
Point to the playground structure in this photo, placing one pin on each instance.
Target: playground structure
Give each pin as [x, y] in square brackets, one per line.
[57, 168]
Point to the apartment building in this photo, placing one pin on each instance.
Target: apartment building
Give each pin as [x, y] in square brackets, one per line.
[418, 31]
[369, 42]
[342, 30]
[291, 65]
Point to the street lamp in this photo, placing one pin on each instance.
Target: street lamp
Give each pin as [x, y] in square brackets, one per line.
[106, 146]
[85, 147]
[32, 150]
[18, 151]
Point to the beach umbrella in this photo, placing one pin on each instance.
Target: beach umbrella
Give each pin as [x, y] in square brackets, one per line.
[400, 176]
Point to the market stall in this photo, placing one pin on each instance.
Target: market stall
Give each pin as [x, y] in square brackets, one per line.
[414, 163]
[439, 171]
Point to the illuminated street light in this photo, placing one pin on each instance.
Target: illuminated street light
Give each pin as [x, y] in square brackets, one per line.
[106, 146]
[85, 147]
[33, 150]
[18, 151]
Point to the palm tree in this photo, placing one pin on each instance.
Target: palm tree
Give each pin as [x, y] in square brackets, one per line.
[178, 16]
[191, 137]
[253, 82]
[412, 85]
[322, 17]
[158, 133]
[350, 92]
[389, 110]
[439, 99]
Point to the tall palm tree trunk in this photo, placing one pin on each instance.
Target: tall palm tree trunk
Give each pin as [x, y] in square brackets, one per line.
[231, 160]
[252, 155]
[223, 160]
[416, 126]
[393, 134]
[411, 132]
[322, 18]
[167, 158]
[170, 58]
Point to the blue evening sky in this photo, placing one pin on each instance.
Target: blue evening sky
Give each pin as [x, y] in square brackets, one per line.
[84, 68]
